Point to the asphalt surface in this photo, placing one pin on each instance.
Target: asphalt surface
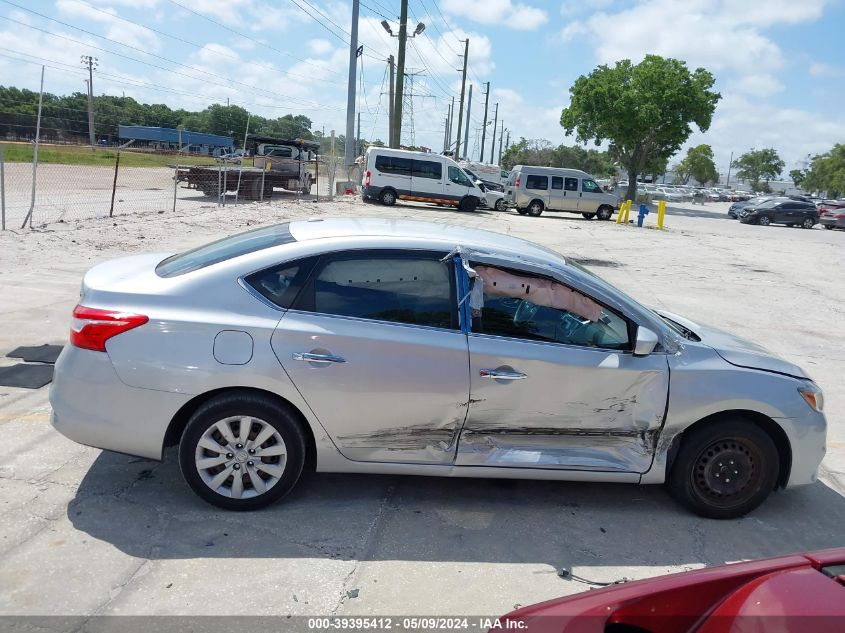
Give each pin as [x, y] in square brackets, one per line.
[85, 533]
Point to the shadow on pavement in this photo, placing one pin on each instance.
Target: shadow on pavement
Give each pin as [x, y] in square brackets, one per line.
[146, 510]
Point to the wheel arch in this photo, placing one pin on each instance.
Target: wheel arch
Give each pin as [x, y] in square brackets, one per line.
[764, 422]
[183, 415]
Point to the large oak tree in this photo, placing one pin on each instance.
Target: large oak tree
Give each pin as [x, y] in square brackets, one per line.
[644, 111]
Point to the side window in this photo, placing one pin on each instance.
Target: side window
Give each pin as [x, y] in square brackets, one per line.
[427, 169]
[517, 305]
[537, 182]
[512, 178]
[590, 186]
[414, 289]
[281, 284]
[557, 182]
[457, 176]
[570, 184]
[393, 165]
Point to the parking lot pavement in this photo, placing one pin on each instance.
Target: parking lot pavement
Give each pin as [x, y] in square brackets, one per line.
[84, 532]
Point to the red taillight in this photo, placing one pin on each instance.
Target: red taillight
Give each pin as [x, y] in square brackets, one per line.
[839, 216]
[93, 327]
[367, 177]
[516, 183]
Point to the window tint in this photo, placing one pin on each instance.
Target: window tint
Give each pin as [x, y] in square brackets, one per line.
[414, 289]
[590, 186]
[393, 165]
[282, 283]
[512, 178]
[427, 169]
[537, 182]
[457, 176]
[227, 248]
[538, 309]
[570, 184]
[557, 182]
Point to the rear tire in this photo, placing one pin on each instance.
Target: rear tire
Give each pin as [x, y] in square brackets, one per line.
[588, 216]
[522, 211]
[764, 220]
[215, 450]
[387, 197]
[724, 468]
[829, 227]
[501, 205]
[808, 223]
[535, 209]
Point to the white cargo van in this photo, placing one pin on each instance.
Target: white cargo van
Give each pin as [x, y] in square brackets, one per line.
[396, 174]
[533, 190]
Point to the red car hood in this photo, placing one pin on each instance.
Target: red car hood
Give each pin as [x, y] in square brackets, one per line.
[790, 594]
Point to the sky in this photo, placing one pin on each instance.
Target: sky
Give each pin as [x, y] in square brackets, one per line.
[779, 64]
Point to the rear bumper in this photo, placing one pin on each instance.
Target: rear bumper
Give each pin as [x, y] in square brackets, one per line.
[371, 192]
[92, 406]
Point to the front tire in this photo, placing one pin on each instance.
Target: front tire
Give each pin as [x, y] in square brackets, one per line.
[605, 213]
[829, 227]
[588, 216]
[501, 205]
[468, 204]
[242, 451]
[724, 469]
[764, 220]
[808, 223]
[521, 211]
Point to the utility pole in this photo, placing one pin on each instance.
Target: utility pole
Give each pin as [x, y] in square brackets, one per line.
[730, 164]
[400, 73]
[508, 140]
[451, 124]
[91, 62]
[359, 146]
[484, 125]
[461, 110]
[350, 95]
[390, 105]
[466, 133]
[501, 140]
[493, 143]
[446, 133]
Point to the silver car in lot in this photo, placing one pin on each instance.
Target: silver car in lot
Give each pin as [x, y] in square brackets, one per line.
[392, 346]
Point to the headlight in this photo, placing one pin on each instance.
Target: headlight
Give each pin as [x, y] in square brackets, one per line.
[813, 397]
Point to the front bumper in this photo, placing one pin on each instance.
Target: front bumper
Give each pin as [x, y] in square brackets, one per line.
[92, 406]
[825, 221]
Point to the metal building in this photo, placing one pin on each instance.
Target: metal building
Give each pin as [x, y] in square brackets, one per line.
[165, 138]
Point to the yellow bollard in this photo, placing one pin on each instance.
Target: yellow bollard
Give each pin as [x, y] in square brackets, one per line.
[661, 213]
[627, 211]
[621, 213]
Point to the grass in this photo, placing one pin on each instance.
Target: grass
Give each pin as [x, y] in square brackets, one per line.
[102, 156]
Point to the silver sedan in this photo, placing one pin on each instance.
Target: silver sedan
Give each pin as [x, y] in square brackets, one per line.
[385, 346]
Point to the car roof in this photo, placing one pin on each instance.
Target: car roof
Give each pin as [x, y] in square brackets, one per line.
[549, 170]
[449, 235]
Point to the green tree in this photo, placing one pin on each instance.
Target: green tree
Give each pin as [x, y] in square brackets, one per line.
[227, 121]
[798, 176]
[644, 110]
[827, 172]
[698, 164]
[758, 166]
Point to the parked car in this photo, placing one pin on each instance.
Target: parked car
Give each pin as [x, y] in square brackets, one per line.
[830, 206]
[781, 211]
[833, 219]
[788, 594]
[394, 346]
[664, 193]
[235, 156]
[493, 198]
[735, 209]
[533, 190]
[396, 174]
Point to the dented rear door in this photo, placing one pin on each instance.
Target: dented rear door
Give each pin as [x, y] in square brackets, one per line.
[562, 407]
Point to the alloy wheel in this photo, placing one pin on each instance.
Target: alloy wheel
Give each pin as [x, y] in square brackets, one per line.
[240, 457]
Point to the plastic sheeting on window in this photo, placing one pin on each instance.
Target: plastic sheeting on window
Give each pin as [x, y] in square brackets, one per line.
[542, 292]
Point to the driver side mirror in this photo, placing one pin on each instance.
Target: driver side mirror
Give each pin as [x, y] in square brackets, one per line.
[646, 342]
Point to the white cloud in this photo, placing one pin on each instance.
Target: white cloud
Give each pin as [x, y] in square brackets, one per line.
[819, 69]
[514, 15]
[716, 34]
[115, 28]
[320, 46]
[756, 85]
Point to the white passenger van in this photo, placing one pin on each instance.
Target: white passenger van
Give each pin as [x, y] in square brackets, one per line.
[396, 174]
[533, 190]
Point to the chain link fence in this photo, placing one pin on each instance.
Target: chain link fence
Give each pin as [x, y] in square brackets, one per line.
[81, 182]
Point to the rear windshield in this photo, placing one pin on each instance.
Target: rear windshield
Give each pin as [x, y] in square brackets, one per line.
[227, 248]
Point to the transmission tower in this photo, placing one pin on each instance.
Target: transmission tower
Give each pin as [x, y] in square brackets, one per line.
[408, 109]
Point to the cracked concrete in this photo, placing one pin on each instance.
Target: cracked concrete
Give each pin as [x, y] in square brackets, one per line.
[86, 533]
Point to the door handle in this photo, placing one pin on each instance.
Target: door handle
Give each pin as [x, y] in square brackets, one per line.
[317, 358]
[500, 374]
